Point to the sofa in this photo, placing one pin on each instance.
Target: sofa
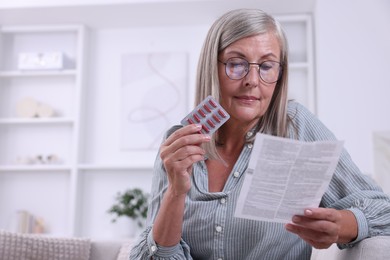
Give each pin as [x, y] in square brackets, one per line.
[375, 248]
[14, 246]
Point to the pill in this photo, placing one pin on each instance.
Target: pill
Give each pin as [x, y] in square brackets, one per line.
[205, 128]
[210, 123]
[201, 113]
[216, 119]
[212, 103]
[196, 118]
[207, 108]
[221, 113]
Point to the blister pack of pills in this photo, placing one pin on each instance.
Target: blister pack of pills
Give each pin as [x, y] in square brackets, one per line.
[209, 113]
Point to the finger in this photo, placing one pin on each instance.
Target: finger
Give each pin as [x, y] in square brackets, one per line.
[309, 233]
[187, 162]
[183, 158]
[188, 151]
[185, 130]
[184, 145]
[314, 237]
[183, 138]
[318, 225]
[322, 214]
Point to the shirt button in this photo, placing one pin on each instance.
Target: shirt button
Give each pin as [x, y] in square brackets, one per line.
[218, 229]
[236, 174]
[250, 146]
[153, 248]
[249, 134]
[223, 201]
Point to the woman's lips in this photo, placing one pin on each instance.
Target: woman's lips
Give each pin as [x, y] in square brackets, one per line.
[248, 98]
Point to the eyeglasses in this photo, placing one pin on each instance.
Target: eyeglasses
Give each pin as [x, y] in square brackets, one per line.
[238, 68]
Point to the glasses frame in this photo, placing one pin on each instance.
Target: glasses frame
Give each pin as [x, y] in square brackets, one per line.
[249, 68]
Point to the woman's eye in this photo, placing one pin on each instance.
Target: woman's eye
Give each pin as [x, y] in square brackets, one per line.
[238, 65]
[266, 66]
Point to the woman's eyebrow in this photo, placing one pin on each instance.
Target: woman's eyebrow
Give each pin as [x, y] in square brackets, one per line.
[268, 55]
[235, 52]
[242, 55]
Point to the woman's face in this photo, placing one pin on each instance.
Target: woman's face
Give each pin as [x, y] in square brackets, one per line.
[247, 99]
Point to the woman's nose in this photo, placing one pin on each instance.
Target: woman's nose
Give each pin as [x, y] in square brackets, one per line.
[253, 75]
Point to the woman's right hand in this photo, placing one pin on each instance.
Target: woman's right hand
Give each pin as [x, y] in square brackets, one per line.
[179, 152]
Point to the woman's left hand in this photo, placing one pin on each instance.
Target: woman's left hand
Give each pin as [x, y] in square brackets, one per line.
[321, 227]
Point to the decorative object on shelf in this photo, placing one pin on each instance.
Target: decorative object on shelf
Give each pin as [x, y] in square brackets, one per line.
[38, 159]
[41, 61]
[53, 159]
[29, 108]
[24, 160]
[28, 223]
[44, 110]
[133, 203]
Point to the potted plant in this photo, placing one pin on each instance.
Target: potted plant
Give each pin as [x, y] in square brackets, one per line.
[132, 203]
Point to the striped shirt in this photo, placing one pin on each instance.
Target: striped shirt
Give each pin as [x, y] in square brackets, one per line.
[211, 232]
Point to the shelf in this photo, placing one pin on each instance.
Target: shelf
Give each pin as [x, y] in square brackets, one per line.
[11, 121]
[28, 142]
[97, 167]
[19, 73]
[34, 168]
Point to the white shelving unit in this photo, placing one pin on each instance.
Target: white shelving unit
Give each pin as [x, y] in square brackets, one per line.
[24, 139]
[73, 197]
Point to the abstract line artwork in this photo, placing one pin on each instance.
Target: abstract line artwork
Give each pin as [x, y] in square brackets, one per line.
[154, 87]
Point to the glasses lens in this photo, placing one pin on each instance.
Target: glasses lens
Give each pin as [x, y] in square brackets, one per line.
[269, 71]
[236, 68]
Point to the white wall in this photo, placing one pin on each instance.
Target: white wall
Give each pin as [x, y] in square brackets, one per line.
[104, 84]
[353, 65]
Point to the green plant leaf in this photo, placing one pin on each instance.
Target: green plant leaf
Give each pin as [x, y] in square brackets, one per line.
[132, 203]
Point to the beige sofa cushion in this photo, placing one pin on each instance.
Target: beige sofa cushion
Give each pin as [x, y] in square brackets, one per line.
[17, 246]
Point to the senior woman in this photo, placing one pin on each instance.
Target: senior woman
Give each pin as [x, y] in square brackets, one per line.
[197, 178]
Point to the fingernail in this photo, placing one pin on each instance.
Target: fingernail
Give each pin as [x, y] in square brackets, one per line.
[198, 126]
[308, 212]
[289, 227]
[296, 219]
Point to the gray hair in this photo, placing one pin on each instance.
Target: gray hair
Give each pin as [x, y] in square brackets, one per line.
[229, 28]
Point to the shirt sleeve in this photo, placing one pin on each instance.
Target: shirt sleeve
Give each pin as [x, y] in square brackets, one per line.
[146, 247]
[349, 188]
